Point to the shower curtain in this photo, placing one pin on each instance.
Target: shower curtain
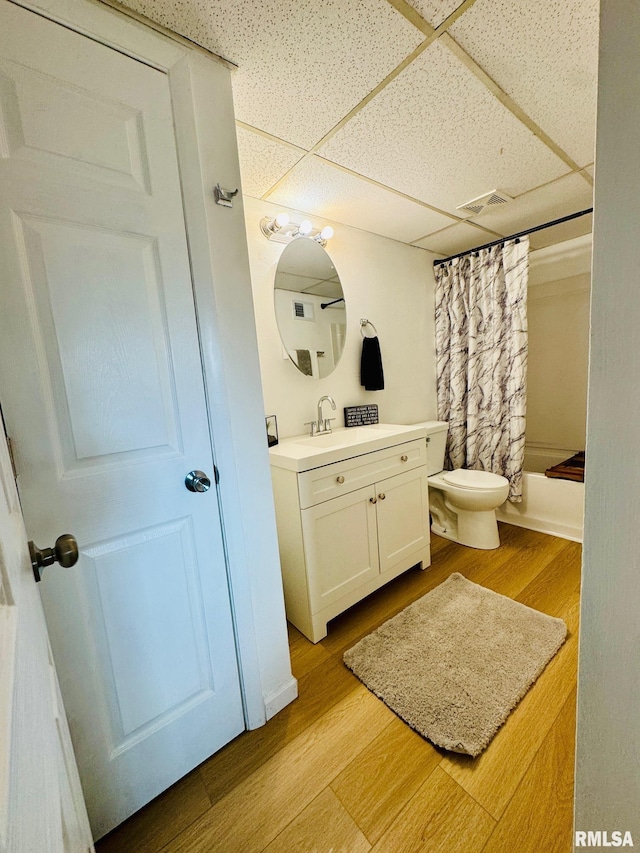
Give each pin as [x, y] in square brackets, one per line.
[481, 355]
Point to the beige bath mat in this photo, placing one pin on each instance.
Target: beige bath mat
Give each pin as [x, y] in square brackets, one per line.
[456, 662]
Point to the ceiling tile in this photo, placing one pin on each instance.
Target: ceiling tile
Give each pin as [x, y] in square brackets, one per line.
[435, 11]
[552, 201]
[458, 238]
[437, 134]
[301, 66]
[263, 161]
[544, 55]
[324, 190]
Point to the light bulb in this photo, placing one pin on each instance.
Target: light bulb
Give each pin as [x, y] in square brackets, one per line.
[305, 228]
[326, 233]
[270, 227]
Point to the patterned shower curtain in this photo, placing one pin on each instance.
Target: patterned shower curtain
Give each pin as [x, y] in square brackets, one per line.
[481, 352]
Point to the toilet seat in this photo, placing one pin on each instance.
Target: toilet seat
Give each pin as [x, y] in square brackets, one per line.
[465, 478]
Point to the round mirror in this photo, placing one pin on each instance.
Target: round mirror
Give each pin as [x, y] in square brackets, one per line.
[310, 308]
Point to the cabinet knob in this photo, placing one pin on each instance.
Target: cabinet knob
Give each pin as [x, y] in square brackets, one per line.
[382, 496]
[373, 500]
[340, 479]
[404, 458]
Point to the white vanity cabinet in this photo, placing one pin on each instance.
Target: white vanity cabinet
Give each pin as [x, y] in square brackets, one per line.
[349, 527]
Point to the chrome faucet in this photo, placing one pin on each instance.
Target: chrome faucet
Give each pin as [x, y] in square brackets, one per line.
[322, 424]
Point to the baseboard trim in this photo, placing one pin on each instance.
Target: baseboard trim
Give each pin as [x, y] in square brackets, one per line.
[282, 697]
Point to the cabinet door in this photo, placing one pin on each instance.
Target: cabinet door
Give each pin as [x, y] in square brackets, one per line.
[341, 546]
[403, 517]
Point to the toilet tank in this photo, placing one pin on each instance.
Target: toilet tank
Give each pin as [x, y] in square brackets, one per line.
[436, 445]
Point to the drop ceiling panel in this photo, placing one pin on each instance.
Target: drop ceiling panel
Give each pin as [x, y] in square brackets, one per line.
[458, 238]
[552, 201]
[263, 161]
[437, 134]
[544, 55]
[435, 11]
[301, 66]
[323, 190]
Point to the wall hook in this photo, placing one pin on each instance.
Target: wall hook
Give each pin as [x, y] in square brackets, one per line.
[224, 197]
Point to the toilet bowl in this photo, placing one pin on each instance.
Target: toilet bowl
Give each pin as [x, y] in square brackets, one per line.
[463, 506]
[463, 502]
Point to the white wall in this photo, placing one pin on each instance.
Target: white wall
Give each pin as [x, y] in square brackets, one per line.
[387, 282]
[558, 312]
[608, 750]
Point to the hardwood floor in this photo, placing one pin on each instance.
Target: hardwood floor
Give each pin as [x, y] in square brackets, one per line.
[338, 771]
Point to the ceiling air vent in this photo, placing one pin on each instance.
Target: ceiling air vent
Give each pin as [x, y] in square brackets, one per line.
[303, 310]
[477, 205]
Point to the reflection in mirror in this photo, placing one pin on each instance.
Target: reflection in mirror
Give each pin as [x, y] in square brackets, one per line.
[310, 308]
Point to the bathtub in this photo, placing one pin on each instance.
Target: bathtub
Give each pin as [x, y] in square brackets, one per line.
[548, 505]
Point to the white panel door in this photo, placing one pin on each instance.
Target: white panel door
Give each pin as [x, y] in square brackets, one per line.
[41, 805]
[102, 389]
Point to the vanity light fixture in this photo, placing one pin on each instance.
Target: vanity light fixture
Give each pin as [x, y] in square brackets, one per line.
[282, 230]
[324, 235]
[303, 230]
[270, 227]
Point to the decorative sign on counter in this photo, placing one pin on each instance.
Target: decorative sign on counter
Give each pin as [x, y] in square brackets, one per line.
[360, 415]
[272, 430]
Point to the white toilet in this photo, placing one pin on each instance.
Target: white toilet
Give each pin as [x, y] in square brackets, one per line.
[463, 502]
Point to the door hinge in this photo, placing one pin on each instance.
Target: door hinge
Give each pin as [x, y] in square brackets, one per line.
[216, 474]
[12, 458]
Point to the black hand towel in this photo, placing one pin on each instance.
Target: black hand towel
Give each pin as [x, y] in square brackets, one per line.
[371, 373]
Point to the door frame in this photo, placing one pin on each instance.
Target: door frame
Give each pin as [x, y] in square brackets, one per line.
[207, 155]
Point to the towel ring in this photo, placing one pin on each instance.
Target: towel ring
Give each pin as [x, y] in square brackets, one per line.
[364, 323]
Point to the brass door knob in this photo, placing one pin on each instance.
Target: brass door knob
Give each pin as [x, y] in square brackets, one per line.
[65, 552]
[404, 458]
[373, 500]
[340, 479]
[382, 496]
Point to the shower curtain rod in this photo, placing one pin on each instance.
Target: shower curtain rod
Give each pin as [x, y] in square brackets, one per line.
[514, 236]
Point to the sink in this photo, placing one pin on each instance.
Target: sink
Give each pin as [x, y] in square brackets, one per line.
[344, 437]
[304, 452]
